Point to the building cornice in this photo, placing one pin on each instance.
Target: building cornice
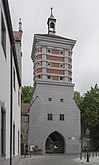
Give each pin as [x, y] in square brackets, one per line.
[10, 31]
[52, 40]
[54, 83]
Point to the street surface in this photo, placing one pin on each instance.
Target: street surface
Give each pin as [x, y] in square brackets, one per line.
[57, 160]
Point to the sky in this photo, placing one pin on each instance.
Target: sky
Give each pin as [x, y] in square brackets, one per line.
[76, 19]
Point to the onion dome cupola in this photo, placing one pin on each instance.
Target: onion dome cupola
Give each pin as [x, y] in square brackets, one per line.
[51, 23]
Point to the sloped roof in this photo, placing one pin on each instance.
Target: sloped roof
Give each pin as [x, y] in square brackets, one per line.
[17, 35]
[55, 36]
[25, 107]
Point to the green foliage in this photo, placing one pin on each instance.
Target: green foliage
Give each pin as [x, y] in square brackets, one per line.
[27, 94]
[89, 106]
[78, 99]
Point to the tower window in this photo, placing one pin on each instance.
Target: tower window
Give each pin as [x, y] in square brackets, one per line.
[49, 77]
[61, 100]
[62, 117]
[49, 51]
[38, 50]
[69, 66]
[52, 25]
[61, 52]
[61, 65]
[69, 53]
[70, 79]
[48, 64]
[38, 64]
[50, 99]
[61, 78]
[50, 116]
[39, 76]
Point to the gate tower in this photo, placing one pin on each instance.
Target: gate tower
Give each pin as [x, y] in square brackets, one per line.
[54, 116]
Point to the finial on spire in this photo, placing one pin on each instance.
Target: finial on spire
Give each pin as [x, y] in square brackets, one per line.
[51, 12]
[20, 25]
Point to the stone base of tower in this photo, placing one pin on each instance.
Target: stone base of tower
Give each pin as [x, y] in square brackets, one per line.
[54, 119]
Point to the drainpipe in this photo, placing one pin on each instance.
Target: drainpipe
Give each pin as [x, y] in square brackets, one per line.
[11, 100]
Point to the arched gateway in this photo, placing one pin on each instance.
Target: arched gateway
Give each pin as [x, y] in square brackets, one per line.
[55, 143]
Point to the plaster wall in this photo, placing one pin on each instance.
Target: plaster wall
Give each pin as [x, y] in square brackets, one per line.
[5, 92]
[40, 128]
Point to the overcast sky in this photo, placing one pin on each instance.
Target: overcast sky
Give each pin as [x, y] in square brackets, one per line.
[76, 19]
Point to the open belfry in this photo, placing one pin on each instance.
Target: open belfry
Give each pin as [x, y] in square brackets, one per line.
[54, 116]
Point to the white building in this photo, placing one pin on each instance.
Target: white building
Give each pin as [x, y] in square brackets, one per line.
[10, 83]
[54, 116]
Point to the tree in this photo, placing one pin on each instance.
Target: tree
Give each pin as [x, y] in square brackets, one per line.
[78, 98]
[90, 114]
[27, 94]
[79, 101]
[89, 107]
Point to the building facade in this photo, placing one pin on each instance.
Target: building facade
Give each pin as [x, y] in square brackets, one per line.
[24, 127]
[54, 124]
[10, 84]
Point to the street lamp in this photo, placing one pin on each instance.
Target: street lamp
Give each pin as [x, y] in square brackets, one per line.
[87, 133]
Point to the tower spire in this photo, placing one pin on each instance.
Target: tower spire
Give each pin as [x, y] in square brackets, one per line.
[20, 25]
[51, 23]
[51, 13]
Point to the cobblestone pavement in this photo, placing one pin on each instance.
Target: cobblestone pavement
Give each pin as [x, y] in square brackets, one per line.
[57, 160]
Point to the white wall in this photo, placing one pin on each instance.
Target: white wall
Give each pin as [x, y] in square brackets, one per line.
[16, 112]
[5, 82]
[5, 92]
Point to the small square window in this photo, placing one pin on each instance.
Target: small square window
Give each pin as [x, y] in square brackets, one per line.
[61, 78]
[62, 117]
[26, 118]
[50, 117]
[49, 77]
[70, 53]
[49, 99]
[61, 100]
[70, 79]
[39, 76]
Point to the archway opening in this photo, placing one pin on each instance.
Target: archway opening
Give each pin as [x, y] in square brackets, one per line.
[55, 143]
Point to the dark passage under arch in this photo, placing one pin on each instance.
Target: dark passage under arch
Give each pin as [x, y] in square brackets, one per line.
[55, 143]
